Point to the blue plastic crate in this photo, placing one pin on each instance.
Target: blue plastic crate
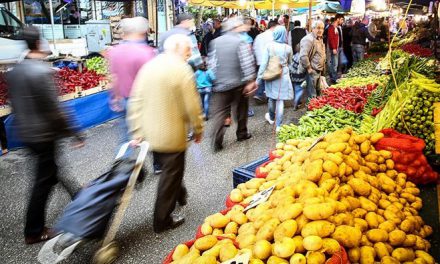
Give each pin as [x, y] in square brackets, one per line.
[246, 172]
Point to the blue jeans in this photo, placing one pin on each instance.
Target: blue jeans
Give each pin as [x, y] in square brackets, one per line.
[299, 91]
[358, 52]
[123, 128]
[261, 88]
[332, 64]
[276, 111]
[205, 95]
[312, 84]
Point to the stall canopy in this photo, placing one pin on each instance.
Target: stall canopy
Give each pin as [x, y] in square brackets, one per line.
[264, 4]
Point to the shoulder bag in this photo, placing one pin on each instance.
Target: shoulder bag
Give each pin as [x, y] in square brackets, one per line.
[274, 69]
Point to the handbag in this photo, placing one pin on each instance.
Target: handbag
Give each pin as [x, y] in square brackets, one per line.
[274, 69]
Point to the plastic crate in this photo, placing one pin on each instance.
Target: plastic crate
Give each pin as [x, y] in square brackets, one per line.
[246, 172]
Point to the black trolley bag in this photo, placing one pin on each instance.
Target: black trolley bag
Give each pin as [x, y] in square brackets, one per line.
[88, 216]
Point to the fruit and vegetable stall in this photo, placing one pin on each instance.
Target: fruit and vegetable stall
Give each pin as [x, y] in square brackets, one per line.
[82, 89]
[353, 181]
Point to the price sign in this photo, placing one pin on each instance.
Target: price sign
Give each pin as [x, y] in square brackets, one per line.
[317, 141]
[259, 198]
[239, 259]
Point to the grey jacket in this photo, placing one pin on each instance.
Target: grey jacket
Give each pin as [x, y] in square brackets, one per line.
[312, 53]
[34, 100]
[232, 62]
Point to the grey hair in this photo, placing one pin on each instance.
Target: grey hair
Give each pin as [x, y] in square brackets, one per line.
[176, 41]
[316, 23]
[134, 25]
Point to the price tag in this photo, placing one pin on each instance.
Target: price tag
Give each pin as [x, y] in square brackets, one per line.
[260, 197]
[240, 259]
[317, 141]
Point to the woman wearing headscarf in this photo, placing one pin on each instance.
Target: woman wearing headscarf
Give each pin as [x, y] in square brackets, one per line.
[280, 89]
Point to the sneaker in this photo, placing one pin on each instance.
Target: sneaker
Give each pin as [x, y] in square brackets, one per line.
[157, 169]
[267, 116]
[277, 129]
[251, 113]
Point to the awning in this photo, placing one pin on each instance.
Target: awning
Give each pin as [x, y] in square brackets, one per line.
[265, 4]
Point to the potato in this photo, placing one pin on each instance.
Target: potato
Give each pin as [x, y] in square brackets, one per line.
[381, 250]
[330, 246]
[377, 235]
[410, 240]
[354, 202]
[374, 138]
[299, 247]
[331, 167]
[365, 147]
[315, 257]
[301, 221]
[365, 241]
[372, 220]
[266, 232]
[354, 255]
[276, 260]
[361, 224]
[320, 211]
[403, 254]
[336, 147]
[367, 255]
[387, 226]
[206, 242]
[291, 211]
[231, 228]
[360, 187]
[256, 261]
[397, 237]
[180, 251]
[317, 154]
[314, 170]
[367, 204]
[312, 243]
[285, 229]
[425, 256]
[190, 257]
[206, 259]
[246, 240]
[389, 260]
[219, 221]
[217, 232]
[247, 228]
[319, 228]
[298, 258]
[347, 236]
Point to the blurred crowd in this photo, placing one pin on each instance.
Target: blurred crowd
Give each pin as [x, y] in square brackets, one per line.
[166, 95]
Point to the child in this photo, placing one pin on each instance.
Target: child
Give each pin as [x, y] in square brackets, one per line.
[204, 79]
[297, 78]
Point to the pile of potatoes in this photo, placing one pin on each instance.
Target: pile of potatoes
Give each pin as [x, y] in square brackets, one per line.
[205, 250]
[340, 192]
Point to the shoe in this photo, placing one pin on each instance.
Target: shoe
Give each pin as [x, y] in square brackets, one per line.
[228, 122]
[248, 136]
[44, 236]
[173, 222]
[251, 113]
[217, 148]
[5, 151]
[190, 136]
[277, 129]
[157, 169]
[267, 117]
[259, 99]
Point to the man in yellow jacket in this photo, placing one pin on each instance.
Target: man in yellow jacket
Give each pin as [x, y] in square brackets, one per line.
[164, 104]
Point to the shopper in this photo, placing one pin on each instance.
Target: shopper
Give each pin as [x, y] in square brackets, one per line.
[234, 66]
[297, 76]
[163, 105]
[346, 43]
[185, 25]
[253, 31]
[259, 47]
[212, 34]
[3, 139]
[333, 47]
[359, 36]
[312, 56]
[204, 79]
[40, 122]
[297, 34]
[280, 89]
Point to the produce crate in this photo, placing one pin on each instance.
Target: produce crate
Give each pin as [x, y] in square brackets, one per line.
[246, 172]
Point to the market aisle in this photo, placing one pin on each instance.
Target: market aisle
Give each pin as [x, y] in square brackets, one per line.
[208, 178]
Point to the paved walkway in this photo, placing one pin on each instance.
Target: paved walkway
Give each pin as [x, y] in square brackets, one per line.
[208, 178]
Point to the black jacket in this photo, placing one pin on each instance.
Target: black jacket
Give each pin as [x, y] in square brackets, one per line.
[34, 100]
[297, 34]
[360, 34]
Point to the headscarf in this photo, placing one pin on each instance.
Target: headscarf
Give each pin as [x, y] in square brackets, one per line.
[280, 34]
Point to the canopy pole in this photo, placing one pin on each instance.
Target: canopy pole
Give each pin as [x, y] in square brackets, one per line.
[310, 16]
[52, 23]
[273, 9]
